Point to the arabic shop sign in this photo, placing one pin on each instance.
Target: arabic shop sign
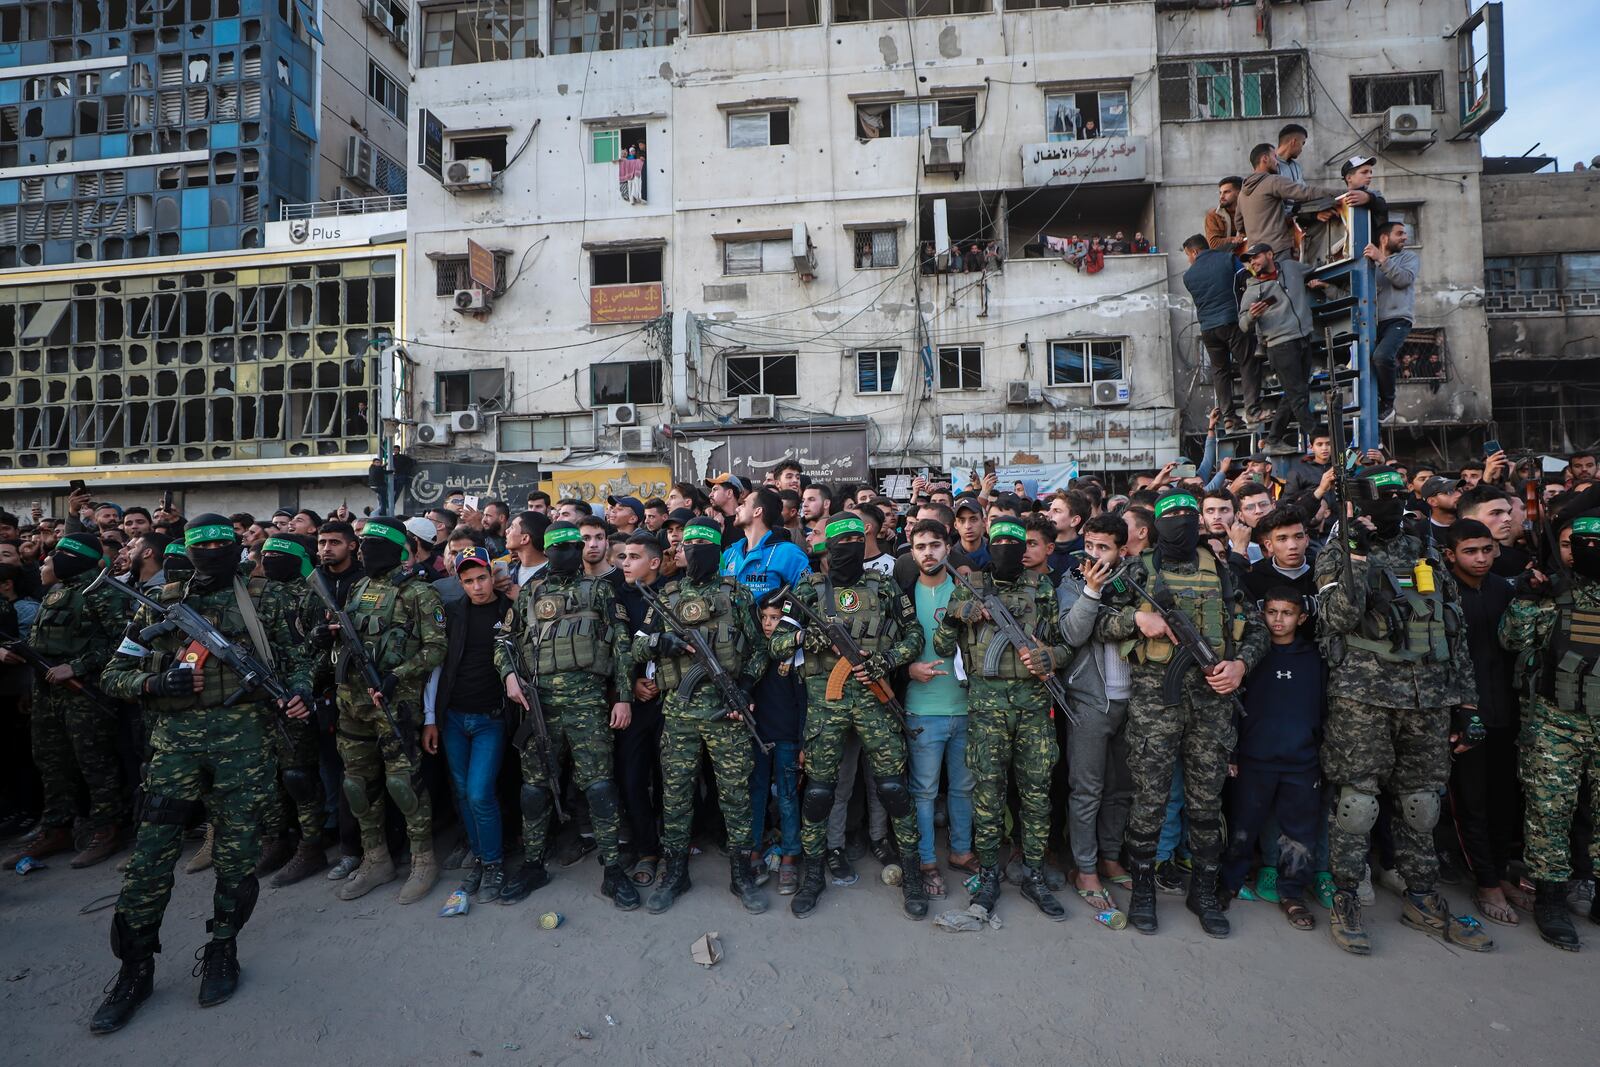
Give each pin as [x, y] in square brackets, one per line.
[831, 452]
[433, 482]
[1098, 159]
[595, 484]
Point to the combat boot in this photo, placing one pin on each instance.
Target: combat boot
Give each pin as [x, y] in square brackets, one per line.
[913, 894]
[619, 887]
[1035, 888]
[101, 846]
[742, 883]
[218, 970]
[1202, 900]
[134, 981]
[1551, 916]
[491, 881]
[1430, 913]
[674, 883]
[43, 841]
[201, 860]
[1142, 904]
[308, 859]
[987, 895]
[812, 883]
[530, 876]
[424, 873]
[274, 854]
[376, 869]
[1344, 924]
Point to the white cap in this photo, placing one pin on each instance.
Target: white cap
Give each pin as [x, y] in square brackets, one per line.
[422, 529]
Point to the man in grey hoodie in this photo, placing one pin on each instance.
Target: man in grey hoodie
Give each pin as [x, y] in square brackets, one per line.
[1397, 304]
[1277, 306]
[1266, 192]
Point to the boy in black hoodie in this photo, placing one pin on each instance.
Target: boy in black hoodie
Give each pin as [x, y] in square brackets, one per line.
[780, 699]
[1275, 764]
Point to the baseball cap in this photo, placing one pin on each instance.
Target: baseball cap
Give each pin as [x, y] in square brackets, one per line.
[967, 503]
[1356, 163]
[732, 481]
[474, 557]
[632, 503]
[1438, 484]
[422, 529]
[1256, 249]
[679, 517]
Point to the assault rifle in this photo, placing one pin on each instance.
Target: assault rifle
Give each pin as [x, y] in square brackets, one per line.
[533, 724]
[357, 655]
[850, 656]
[1011, 635]
[88, 690]
[1192, 650]
[253, 674]
[706, 667]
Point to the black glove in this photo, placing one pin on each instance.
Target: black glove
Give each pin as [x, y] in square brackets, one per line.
[1467, 727]
[321, 637]
[667, 643]
[176, 682]
[1358, 538]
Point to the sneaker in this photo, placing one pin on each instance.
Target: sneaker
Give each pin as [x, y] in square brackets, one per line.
[1430, 913]
[1171, 878]
[461, 856]
[1390, 879]
[788, 879]
[342, 870]
[1324, 889]
[839, 869]
[1580, 896]
[1386, 416]
[1364, 892]
[574, 849]
[1266, 887]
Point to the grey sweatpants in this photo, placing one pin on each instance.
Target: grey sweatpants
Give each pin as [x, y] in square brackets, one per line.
[877, 819]
[1101, 787]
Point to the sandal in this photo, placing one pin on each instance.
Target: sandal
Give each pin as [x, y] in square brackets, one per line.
[933, 881]
[1298, 914]
[1517, 896]
[643, 871]
[1121, 881]
[1502, 914]
[1105, 910]
[967, 865]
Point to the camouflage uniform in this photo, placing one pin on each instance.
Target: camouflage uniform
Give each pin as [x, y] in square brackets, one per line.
[574, 632]
[202, 747]
[884, 622]
[726, 611]
[400, 620]
[1200, 729]
[71, 737]
[1560, 739]
[298, 794]
[1397, 664]
[1009, 718]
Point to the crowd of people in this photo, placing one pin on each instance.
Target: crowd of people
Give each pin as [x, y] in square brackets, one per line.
[1221, 683]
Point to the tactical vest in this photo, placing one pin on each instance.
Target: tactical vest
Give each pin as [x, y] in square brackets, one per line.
[570, 630]
[1570, 677]
[1022, 600]
[1206, 596]
[170, 649]
[58, 630]
[1412, 627]
[713, 615]
[372, 607]
[859, 608]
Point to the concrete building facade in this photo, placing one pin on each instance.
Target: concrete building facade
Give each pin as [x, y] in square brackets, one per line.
[776, 258]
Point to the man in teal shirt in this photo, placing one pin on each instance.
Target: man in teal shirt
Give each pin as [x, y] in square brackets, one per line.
[936, 702]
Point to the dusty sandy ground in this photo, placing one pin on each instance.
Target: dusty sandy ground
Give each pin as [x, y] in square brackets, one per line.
[370, 982]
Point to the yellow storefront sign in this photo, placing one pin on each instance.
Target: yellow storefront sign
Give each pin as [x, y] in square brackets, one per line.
[595, 485]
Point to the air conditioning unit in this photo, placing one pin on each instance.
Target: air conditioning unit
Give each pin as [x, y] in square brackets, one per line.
[758, 407]
[1408, 125]
[942, 148]
[805, 254]
[621, 415]
[1111, 394]
[358, 158]
[1023, 393]
[637, 439]
[461, 175]
[433, 433]
[474, 300]
[469, 421]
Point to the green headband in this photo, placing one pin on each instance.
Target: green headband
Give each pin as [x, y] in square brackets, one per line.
[1587, 524]
[1388, 480]
[561, 537]
[175, 549]
[199, 535]
[843, 525]
[385, 531]
[80, 548]
[1003, 528]
[292, 548]
[697, 531]
[1174, 501]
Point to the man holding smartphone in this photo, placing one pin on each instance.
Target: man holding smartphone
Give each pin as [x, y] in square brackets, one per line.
[1277, 306]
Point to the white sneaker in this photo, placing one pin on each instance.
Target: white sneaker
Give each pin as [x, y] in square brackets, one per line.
[1364, 891]
[341, 870]
[1390, 879]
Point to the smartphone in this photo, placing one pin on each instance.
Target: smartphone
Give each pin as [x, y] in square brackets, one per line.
[988, 466]
[1184, 470]
[76, 485]
[470, 502]
[1269, 300]
[1490, 448]
[166, 500]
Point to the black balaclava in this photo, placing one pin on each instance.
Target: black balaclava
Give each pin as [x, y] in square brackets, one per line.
[846, 559]
[563, 547]
[213, 546]
[702, 551]
[77, 554]
[1006, 543]
[1387, 507]
[1177, 527]
[287, 557]
[1586, 545]
[383, 545]
[176, 565]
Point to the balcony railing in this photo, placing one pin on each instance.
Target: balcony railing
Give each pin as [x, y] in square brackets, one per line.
[324, 209]
[1540, 301]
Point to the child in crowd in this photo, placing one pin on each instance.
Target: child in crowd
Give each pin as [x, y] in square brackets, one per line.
[1275, 763]
[780, 699]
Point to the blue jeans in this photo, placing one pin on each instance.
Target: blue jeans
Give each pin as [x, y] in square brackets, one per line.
[943, 741]
[1172, 827]
[1392, 334]
[473, 745]
[785, 757]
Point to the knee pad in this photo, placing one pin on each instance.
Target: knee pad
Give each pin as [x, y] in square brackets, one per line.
[244, 903]
[1420, 810]
[818, 800]
[301, 784]
[130, 944]
[1356, 812]
[896, 798]
[535, 802]
[168, 811]
[360, 794]
[603, 798]
[404, 791]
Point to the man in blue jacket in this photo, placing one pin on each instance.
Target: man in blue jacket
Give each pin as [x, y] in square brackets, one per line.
[1210, 280]
[761, 562]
